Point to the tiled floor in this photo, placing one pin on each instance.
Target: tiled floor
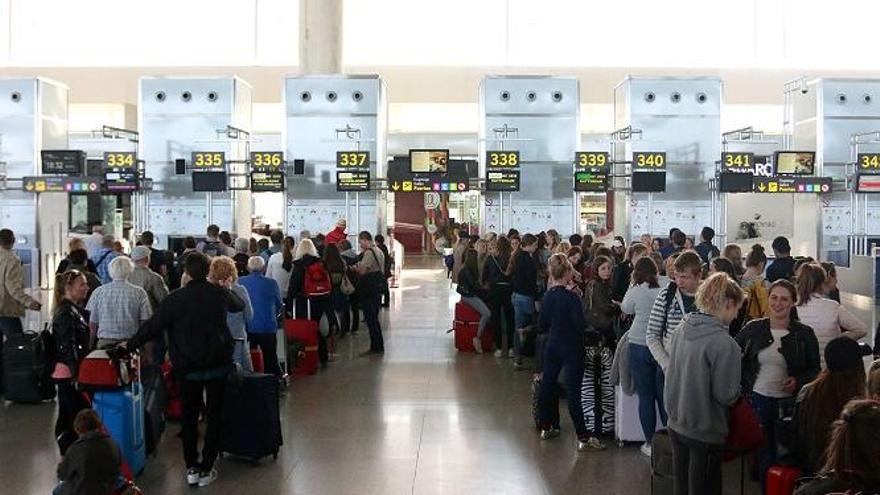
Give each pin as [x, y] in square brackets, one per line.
[422, 420]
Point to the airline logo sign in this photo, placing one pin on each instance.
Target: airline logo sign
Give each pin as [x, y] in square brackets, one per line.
[793, 185]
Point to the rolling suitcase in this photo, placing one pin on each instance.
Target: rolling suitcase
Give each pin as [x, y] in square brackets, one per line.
[25, 374]
[597, 392]
[155, 401]
[304, 331]
[627, 426]
[662, 469]
[781, 480]
[465, 327]
[251, 421]
[122, 412]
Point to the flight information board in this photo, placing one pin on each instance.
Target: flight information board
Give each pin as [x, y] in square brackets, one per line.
[594, 180]
[67, 162]
[804, 185]
[267, 181]
[502, 180]
[121, 182]
[352, 181]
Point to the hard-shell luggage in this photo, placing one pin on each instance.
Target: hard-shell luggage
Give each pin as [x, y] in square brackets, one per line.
[465, 327]
[627, 426]
[251, 418]
[25, 374]
[155, 402]
[597, 392]
[662, 468]
[122, 412]
[257, 360]
[304, 331]
[781, 480]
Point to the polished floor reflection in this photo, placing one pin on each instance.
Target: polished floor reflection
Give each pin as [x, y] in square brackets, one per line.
[422, 420]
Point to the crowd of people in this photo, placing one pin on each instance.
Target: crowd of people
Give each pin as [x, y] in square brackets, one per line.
[703, 328]
[203, 309]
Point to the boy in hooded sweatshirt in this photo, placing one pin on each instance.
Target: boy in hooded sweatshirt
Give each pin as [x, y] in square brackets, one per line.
[702, 383]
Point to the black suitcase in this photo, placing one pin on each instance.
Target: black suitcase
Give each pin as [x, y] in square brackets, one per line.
[251, 417]
[26, 377]
[597, 392]
[155, 399]
[662, 469]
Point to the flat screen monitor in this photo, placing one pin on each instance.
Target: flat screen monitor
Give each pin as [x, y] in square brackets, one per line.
[649, 181]
[428, 161]
[732, 182]
[868, 184]
[209, 181]
[794, 162]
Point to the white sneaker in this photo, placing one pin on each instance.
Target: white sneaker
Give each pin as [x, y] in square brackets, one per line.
[478, 345]
[548, 434]
[206, 479]
[499, 353]
[646, 449]
[192, 476]
[511, 353]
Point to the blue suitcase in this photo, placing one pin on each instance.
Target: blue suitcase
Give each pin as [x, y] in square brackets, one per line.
[122, 412]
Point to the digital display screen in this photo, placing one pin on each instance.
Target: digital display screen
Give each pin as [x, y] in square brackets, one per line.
[125, 181]
[868, 184]
[209, 181]
[67, 162]
[267, 181]
[733, 182]
[503, 180]
[428, 161]
[649, 181]
[356, 181]
[590, 181]
[794, 162]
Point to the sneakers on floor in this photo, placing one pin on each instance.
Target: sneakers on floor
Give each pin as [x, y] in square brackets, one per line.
[478, 345]
[192, 476]
[206, 479]
[548, 434]
[591, 443]
[499, 353]
[511, 353]
[646, 449]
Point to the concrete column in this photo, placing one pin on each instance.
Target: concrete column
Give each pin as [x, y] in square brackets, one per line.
[320, 37]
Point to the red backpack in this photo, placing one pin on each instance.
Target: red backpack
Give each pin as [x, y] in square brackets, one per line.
[317, 280]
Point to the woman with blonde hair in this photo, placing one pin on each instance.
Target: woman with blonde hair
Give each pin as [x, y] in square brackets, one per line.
[223, 272]
[301, 299]
[702, 383]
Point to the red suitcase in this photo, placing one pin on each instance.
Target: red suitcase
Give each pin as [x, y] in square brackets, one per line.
[304, 331]
[781, 480]
[257, 360]
[465, 326]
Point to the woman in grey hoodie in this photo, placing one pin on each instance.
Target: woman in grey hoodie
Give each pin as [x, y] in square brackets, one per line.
[702, 383]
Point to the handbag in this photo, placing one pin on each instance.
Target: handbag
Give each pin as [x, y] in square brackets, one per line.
[744, 433]
[371, 283]
[346, 286]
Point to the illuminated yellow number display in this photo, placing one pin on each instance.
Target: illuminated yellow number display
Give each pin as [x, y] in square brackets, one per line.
[742, 161]
[267, 159]
[869, 161]
[591, 159]
[649, 160]
[502, 159]
[212, 159]
[352, 159]
[116, 160]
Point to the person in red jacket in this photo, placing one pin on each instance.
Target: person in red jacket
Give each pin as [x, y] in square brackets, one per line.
[337, 234]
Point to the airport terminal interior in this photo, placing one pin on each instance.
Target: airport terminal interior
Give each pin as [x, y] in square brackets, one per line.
[439, 247]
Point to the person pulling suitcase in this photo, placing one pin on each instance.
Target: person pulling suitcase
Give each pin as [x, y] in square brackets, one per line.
[188, 316]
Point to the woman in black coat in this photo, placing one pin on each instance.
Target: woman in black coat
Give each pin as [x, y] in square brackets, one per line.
[70, 329]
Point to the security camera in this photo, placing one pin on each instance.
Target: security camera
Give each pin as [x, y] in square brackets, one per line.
[804, 91]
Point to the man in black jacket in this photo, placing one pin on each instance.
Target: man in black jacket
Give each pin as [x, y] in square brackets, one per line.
[783, 263]
[200, 345]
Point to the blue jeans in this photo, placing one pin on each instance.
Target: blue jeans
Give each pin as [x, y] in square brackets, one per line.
[767, 410]
[523, 314]
[649, 387]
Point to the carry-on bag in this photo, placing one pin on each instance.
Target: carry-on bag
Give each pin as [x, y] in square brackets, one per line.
[304, 331]
[122, 412]
[155, 402]
[627, 425]
[781, 480]
[465, 327]
[251, 420]
[597, 392]
[104, 369]
[662, 468]
[26, 372]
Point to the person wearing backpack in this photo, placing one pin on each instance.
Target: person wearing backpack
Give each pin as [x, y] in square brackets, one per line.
[755, 285]
[780, 356]
[211, 246]
[308, 292]
[370, 269]
[389, 262]
[671, 305]
[705, 248]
